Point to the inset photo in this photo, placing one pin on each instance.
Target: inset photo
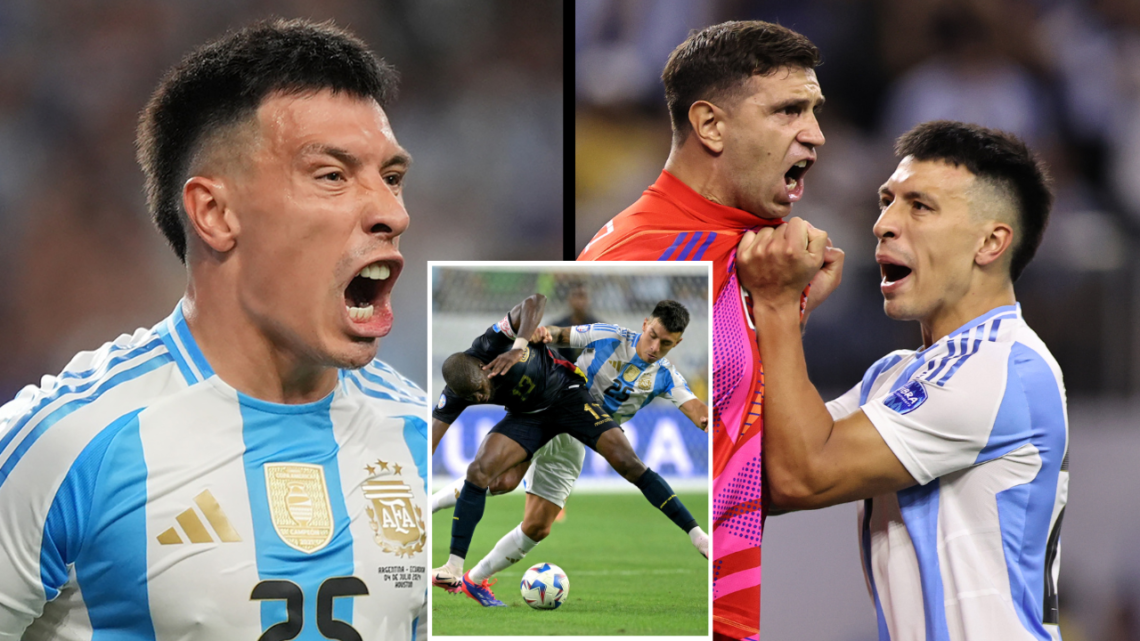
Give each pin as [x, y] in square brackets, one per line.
[570, 448]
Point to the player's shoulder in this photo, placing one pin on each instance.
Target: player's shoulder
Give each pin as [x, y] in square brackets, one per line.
[379, 381]
[89, 375]
[640, 232]
[888, 363]
[47, 426]
[666, 364]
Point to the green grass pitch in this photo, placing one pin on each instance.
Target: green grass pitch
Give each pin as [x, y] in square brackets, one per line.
[631, 571]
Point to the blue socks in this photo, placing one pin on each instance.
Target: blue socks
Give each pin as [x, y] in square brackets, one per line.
[468, 512]
[662, 497]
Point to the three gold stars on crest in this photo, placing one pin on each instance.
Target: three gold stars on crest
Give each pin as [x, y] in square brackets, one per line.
[382, 466]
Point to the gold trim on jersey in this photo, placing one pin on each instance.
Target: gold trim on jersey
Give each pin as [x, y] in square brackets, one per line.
[299, 505]
[197, 531]
[397, 522]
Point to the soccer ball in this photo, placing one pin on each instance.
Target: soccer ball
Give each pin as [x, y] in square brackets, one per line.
[545, 586]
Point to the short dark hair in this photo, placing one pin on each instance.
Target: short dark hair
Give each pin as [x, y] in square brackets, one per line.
[223, 83]
[1000, 158]
[718, 60]
[463, 373]
[673, 315]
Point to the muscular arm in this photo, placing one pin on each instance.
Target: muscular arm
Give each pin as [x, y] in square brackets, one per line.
[810, 460]
[526, 316]
[524, 319]
[438, 429]
[697, 412]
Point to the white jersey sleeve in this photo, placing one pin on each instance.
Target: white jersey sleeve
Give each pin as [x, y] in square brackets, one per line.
[586, 336]
[936, 424]
[845, 405]
[678, 391]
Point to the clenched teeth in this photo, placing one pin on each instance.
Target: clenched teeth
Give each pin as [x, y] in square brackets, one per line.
[375, 271]
[360, 313]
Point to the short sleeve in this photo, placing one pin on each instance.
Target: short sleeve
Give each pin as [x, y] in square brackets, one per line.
[585, 336]
[845, 405]
[936, 424]
[449, 406]
[678, 391]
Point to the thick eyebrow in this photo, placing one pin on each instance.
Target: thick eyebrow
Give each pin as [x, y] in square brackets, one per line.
[802, 103]
[399, 158]
[350, 159]
[910, 195]
[343, 155]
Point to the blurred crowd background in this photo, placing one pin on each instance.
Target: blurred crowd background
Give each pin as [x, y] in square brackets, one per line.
[1062, 74]
[480, 109]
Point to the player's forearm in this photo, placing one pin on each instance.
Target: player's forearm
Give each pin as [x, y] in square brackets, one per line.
[531, 315]
[559, 336]
[797, 424]
[438, 429]
[697, 412]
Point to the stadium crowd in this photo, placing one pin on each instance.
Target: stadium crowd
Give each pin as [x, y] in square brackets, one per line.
[80, 261]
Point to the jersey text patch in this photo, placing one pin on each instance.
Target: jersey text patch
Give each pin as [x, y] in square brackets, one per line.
[907, 398]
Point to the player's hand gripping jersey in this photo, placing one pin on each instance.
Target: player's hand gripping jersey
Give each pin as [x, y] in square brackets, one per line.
[144, 498]
[619, 379]
[978, 418]
[533, 384]
[672, 222]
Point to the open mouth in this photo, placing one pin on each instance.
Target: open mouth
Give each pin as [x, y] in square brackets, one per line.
[366, 291]
[793, 178]
[894, 273]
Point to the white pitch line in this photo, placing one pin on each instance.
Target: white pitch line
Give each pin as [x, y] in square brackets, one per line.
[630, 572]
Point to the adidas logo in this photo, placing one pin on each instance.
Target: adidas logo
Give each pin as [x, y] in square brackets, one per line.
[616, 365]
[193, 527]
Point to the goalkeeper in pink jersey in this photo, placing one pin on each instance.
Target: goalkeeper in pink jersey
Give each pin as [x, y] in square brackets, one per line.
[743, 97]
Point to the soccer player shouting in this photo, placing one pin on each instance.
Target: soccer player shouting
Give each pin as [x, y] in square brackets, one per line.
[743, 98]
[959, 449]
[245, 469]
[625, 370]
[544, 397]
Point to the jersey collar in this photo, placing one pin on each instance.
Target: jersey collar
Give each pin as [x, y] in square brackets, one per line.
[703, 211]
[175, 333]
[1004, 311]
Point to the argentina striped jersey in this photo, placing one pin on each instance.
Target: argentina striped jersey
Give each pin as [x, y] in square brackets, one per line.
[144, 498]
[622, 381]
[979, 420]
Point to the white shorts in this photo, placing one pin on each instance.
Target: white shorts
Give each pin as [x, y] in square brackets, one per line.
[554, 469]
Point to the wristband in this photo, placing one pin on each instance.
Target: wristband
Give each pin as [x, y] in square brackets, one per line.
[520, 343]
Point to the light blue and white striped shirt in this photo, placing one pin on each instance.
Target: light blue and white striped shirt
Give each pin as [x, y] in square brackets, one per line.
[619, 379]
[979, 420]
[144, 498]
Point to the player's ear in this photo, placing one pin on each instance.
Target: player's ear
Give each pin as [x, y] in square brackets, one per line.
[707, 121]
[205, 201]
[995, 244]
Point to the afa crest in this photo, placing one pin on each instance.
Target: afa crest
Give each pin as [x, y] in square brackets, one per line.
[645, 383]
[397, 521]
